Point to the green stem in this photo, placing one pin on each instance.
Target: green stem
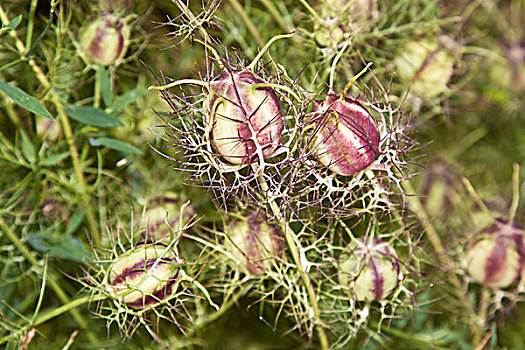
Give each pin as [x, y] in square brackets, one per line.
[30, 24]
[64, 119]
[277, 15]
[51, 280]
[65, 308]
[265, 48]
[251, 27]
[179, 82]
[292, 242]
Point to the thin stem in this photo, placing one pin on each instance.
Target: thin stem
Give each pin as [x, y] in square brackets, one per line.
[51, 279]
[180, 82]
[65, 308]
[64, 119]
[312, 11]
[357, 76]
[277, 15]
[30, 24]
[265, 48]
[476, 197]
[276, 86]
[251, 27]
[334, 64]
[515, 192]
[293, 242]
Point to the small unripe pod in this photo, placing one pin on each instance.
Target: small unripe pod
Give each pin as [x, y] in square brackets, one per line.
[347, 139]
[247, 120]
[165, 209]
[104, 40]
[370, 271]
[254, 243]
[426, 66]
[144, 276]
[496, 258]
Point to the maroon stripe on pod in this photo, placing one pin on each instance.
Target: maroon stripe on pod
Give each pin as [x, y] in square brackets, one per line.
[154, 297]
[138, 268]
[378, 279]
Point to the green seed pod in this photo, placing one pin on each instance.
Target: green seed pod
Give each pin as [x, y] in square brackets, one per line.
[426, 66]
[253, 243]
[104, 40]
[144, 277]
[347, 138]
[247, 120]
[371, 271]
[495, 259]
[165, 209]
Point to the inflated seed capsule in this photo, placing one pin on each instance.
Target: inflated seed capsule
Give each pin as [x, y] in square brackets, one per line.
[253, 243]
[104, 39]
[370, 271]
[144, 276]
[247, 119]
[346, 139]
[496, 258]
[426, 67]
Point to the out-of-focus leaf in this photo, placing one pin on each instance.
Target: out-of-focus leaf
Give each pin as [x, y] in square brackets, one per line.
[65, 247]
[115, 144]
[28, 149]
[12, 25]
[104, 84]
[93, 116]
[24, 100]
[54, 159]
[74, 222]
[123, 100]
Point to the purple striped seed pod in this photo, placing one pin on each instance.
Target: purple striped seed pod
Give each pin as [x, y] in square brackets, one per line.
[104, 39]
[253, 243]
[346, 139]
[247, 121]
[371, 271]
[145, 276]
[496, 258]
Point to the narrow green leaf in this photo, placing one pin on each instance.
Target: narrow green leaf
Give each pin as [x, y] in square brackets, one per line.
[123, 100]
[64, 247]
[28, 149]
[104, 84]
[115, 144]
[93, 116]
[54, 159]
[12, 25]
[24, 100]
[74, 222]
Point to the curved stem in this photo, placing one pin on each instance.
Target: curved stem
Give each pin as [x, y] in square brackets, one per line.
[180, 82]
[265, 48]
[363, 71]
[292, 242]
[515, 192]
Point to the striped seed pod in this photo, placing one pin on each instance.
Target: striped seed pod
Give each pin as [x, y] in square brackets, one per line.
[371, 271]
[427, 67]
[247, 120]
[253, 243]
[104, 39]
[346, 138]
[163, 211]
[496, 258]
[144, 276]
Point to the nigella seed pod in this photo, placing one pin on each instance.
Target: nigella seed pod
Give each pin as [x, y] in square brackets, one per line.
[144, 276]
[104, 39]
[253, 243]
[246, 119]
[426, 66]
[347, 138]
[496, 258]
[371, 271]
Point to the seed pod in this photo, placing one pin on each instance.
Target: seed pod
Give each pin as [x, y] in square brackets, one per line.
[161, 210]
[346, 139]
[371, 271]
[254, 243]
[247, 120]
[496, 258]
[104, 39]
[427, 67]
[144, 276]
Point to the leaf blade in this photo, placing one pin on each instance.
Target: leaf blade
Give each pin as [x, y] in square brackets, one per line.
[25, 100]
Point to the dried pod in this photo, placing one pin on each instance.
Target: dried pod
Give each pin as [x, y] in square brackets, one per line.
[427, 67]
[371, 271]
[144, 276]
[496, 258]
[253, 243]
[346, 138]
[104, 39]
[246, 119]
